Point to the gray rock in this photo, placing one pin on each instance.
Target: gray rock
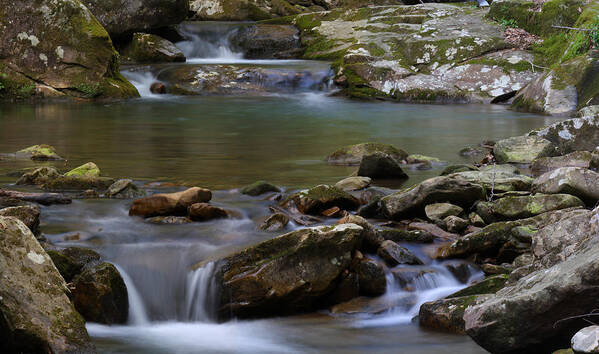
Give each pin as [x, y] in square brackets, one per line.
[586, 340]
[260, 187]
[353, 183]
[577, 181]
[29, 215]
[520, 207]
[150, 48]
[576, 134]
[393, 254]
[380, 165]
[583, 159]
[522, 149]
[37, 315]
[440, 211]
[371, 277]
[266, 41]
[352, 155]
[455, 224]
[38, 176]
[275, 222]
[124, 188]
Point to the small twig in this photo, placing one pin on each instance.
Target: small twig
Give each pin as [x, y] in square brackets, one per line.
[493, 184]
[592, 313]
[534, 65]
[574, 28]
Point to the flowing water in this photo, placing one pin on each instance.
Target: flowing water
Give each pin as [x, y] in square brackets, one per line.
[223, 143]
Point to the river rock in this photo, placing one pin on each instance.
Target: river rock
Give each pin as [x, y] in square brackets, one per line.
[77, 183]
[586, 340]
[38, 176]
[287, 274]
[58, 49]
[498, 179]
[458, 168]
[489, 285]
[433, 190]
[89, 169]
[522, 316]
[455, 224]
[371, 277]
[352, 155]
[266, 41]
[394, 254]
[259, 188]
[510, 208]
[576, 134]
[124, 188]
[373, 306]
[353, 183]
[317, 199]
[165, 204]
[372, 239]
[37, 315]
[71, 260]
[447, 315]
[275, 222]
[16, 198]
[100, 295]
[150, 48]
[439, 211]
[399, 235]
[380, 165]
[577, 181]
[29, 215]
[522, 149]
[582, 159]
[168, 220]
[137, 16]
[39, 152]
[158, 88]
[205, 212]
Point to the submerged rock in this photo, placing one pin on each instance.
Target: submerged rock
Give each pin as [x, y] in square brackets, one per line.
[169, 220]
[39, 152]
[150, 48]
[259, 188]
[124, 188]
[380, 165]
[438, 189]
[37, 316]
[352, 155]
[317, 199]
[165, 204]
[100, 294]
[522, 149]
[287, 274]
[577, 181]
[57, 49]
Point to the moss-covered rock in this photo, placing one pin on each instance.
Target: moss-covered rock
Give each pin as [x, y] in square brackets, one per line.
[447, 314]
[352, 155]
[287, 274]
[28, 214]
[39, 152]
[150, 48]
[38, 176]
[36, 313]
[542, 165]
[522, 149]
[576, 134]
[520, 207]
[125, 189]
[89, 169]
[317, 199]
[576, 181]
[439, 211]
[57, 48]
[64, 183]
[489, 285]
[258, 188]
[123, 17]
[266, 41]
[380, 165]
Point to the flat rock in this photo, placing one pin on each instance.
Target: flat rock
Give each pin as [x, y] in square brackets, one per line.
[576, 181]
[522, 149]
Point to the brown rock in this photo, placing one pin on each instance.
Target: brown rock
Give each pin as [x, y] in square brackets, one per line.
[205, 212]
[169, 203]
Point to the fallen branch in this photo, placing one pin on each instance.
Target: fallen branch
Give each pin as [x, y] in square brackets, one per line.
[574, 28]
[592, 313]
[40, 198]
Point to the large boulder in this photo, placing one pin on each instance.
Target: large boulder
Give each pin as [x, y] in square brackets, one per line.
[520, 207]
[265, 41]
[450, 189]
[251, 10]
[169, 203]
[28, 214]
[100, 294]
[583, 159]
[258, 188]
[447, 314]
[287, 274]
[58, 48]
[522, 149]
[497, 178]
[41, 152]
[576, 134]
[352, 155]
[577, 181]
[36, 315]
[150, 48]
[523, 317]
[123, 17]
[380, 165]
[205, 212]
[317, 199]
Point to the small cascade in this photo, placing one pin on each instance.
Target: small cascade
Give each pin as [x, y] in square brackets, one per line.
[142, 80]
[200, 294]
[208, 40]
[138, 315]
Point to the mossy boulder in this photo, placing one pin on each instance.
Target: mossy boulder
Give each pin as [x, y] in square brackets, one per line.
[38, 176]
[100, 294]
[458, 168]
[489, 285]
[285, 275]
[169, 204]
[497, 179]
[380, 165]
[258, 188]
[317, 199]
[64, 183]
[576, 181]
[583, 159]
[123, 17]
[125, 189]
[576, 134]
[522, 149]
[89, 169]
[447, 315]
[57, 49]
[520, 207]
[150, 48]
[352, 155]
[39, 152]
[434, 190]
[399, 235]
[36, 313]
[28, 214]
[71, 260]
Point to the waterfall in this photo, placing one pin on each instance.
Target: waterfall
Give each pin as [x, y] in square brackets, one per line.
[137, 310]
[142, 80]
[200, 294]
[211, 40]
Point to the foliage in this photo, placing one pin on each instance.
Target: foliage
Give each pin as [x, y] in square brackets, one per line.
[508, 22]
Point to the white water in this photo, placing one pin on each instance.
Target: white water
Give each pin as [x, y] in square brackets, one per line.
[199, 294]
[137, 310]
[142, 80]
[203, 41]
